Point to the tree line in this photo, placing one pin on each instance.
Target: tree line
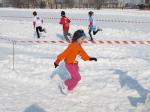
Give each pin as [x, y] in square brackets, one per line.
[60, 3]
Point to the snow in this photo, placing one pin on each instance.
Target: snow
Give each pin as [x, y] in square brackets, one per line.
[117, 82]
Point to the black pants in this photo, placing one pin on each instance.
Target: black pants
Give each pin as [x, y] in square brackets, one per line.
[39, 29]
[66, 34]
[94, 33]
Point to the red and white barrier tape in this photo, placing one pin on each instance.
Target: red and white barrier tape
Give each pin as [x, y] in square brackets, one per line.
[95, 42]
[114, 21]
[99, 20]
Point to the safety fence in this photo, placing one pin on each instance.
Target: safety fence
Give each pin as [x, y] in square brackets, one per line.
[82, 19]
[95, 42]
[14, 42]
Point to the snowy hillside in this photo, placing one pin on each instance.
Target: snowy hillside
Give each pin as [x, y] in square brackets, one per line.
[118, 82]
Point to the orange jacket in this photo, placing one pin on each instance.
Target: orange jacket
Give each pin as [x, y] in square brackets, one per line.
[69, 55]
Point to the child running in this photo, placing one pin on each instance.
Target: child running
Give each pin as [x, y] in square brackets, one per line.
[69, 55]
[37, 24]
[65, 23]
[92, 25]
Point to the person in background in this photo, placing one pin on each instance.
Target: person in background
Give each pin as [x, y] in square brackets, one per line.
[37, 24]
[64, 21]
[69, 56]
[92, 25]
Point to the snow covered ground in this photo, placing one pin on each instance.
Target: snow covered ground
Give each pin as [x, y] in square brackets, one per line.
[118, 82]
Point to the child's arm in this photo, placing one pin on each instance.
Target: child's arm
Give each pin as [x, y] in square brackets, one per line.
[91, 22]
[42, 21]
[85, 56]
[68, 20]
[62, 56]
[61, 21]
[34, 24]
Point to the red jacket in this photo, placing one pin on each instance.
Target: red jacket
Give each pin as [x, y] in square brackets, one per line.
[65, 22]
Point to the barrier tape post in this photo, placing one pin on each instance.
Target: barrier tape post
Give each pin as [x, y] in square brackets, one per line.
[14, 42]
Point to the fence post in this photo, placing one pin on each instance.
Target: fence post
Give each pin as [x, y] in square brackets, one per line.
[14, 42]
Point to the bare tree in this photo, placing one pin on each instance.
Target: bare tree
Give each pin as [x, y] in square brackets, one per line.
[64, 3]
[15, 3]
[70, 3]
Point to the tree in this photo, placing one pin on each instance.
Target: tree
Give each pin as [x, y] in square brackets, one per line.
[99, 3]
[42, 4]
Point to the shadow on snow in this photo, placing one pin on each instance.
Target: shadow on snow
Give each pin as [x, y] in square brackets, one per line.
[34, 108]
[126, 80]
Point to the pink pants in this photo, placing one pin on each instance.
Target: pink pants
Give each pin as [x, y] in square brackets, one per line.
[75, 77]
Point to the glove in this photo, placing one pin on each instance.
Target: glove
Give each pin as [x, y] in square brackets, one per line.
[56, 65]
[93, 59]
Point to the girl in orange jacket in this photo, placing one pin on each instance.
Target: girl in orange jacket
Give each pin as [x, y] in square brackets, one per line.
[69, 56]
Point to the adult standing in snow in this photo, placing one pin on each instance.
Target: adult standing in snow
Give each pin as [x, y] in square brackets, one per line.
[69, 56]
[92, 25]
[65, 23]
[37, 24]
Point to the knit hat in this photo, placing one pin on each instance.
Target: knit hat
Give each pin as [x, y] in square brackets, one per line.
[91, 13]
[62, 13]
[34, 13]
[78, 34]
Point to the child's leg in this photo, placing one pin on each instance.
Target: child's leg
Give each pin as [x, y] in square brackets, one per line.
[68, 34]
[94, 32]
[67, 31]
[37, 31]
[75, 76]
[66, 37]
[90, 34]
[41, 30]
